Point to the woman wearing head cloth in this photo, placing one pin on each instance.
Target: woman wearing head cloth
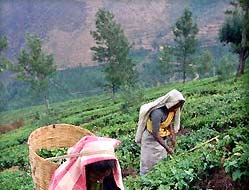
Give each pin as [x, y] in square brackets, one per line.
[95, 168]
[155, 129]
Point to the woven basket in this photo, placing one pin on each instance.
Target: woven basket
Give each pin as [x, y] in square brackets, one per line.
[52, 136]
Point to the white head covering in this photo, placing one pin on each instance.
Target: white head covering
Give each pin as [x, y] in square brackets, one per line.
[169, 100]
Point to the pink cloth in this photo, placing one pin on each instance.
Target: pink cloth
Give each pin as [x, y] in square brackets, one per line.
[71, 174]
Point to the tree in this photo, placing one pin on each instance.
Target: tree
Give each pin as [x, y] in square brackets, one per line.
[226, 68]
[204, 64]
[235, 31]
[185, 31]
[112, 49]
[35, 67]
[165, 64]
[3, 61]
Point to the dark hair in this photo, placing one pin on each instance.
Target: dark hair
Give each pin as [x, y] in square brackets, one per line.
[182, 102]
[101, 166]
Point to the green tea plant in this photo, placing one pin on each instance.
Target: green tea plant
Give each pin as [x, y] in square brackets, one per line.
[15, 180]
[14, 156]
[54, 152]
[177, 172]
[212, 108]
[193, 139]
[236, 154]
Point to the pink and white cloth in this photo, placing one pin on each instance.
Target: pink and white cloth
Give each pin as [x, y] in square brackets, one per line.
[71, 175]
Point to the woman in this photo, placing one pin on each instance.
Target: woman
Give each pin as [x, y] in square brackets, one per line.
[94, 168]
[100, 177]
[155, 129]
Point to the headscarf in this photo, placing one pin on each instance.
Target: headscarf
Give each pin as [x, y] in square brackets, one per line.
[71, 175]
[169, 100]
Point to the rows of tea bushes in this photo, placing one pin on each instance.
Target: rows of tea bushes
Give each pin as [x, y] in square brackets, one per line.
[186, 169]
[212, 108]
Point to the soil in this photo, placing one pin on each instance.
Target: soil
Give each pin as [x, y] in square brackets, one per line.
[129, 172]
[4, 128]
[184, 131]
[218, 179]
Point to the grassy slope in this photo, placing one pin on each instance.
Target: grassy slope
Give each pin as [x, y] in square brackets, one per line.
[211, 107]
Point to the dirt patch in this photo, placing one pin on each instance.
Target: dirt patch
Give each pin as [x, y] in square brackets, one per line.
[4, 128]
[129, 172]
[218, 179]
[184, 131]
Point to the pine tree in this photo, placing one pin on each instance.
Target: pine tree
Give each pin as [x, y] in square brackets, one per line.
[185, 31]
[35, 67]
[204, 64]
[5, 64]
[3, 60]
[165, 64]
[112, 49]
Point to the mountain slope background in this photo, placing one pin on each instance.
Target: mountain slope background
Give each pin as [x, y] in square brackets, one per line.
[65, 25]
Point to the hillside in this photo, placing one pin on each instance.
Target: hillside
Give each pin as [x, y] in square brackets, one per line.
[212, 108]
[65, 25]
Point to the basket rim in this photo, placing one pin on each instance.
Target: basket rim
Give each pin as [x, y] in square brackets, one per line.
[51, 126]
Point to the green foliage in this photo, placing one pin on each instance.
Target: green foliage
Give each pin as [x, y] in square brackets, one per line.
[15, 180]
[164, 64]
[226, 67]
[35, 67]
[3, 43]
[128, 152]
[194, 138]
[15, 156]
[131, 96]
[112, 48]
[15, 137]
[231, 31]
[217, 107]
[212, 108]
[178, 172]
[4, 65]
[54, 152]
[236, 154]
[3, 46]
[235, 31]
[204, 65]
[185, 31]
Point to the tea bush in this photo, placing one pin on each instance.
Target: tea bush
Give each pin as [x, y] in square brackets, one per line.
[15, 180]
[212, 108]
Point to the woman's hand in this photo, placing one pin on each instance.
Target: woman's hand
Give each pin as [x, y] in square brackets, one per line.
[169, 150]
[173, 141]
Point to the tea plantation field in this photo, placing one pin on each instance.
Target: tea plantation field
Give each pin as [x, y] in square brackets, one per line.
[213, 109]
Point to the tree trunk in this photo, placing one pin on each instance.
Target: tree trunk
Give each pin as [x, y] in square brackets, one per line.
[47, 104]
[241, 66]
[113, 92]
[184, 68]
[242, 54]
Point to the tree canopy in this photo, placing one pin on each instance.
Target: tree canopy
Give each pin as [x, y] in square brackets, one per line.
[235, 31]
[3, 60]
[34, 66]
[185, 31]
[112, 49]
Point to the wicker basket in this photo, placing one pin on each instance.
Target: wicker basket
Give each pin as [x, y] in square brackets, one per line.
[52, 136]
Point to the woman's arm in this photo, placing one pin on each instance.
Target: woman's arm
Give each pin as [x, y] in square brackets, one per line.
[162, 142]
[156, 120]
